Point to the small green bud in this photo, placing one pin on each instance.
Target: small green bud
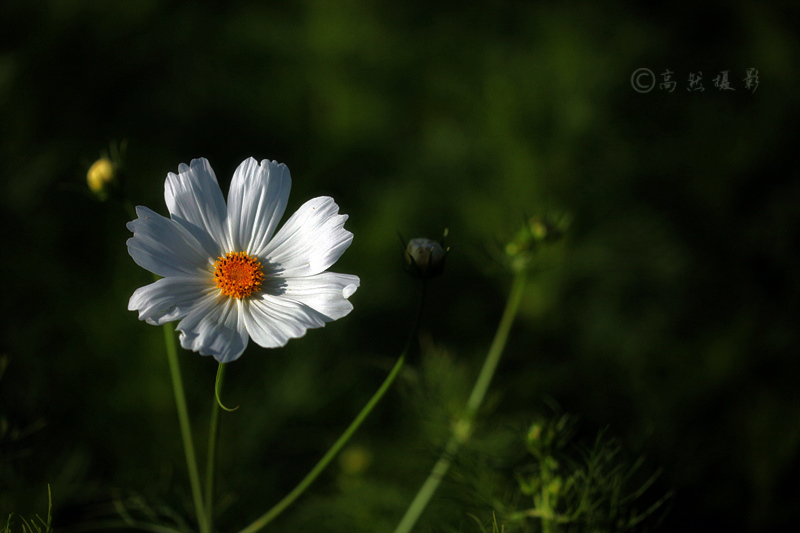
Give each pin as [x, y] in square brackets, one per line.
[532, 237]
[534, 433]
[549, 464]
[548, 229]
[554, 487]
[512, 249]
[539, 229]
[424, 258]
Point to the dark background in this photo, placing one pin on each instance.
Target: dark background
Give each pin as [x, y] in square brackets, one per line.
[670, 315]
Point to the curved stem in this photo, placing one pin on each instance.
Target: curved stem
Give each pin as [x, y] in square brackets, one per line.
[186, 430]
[463, 427]
[270, 515]
[218, 387]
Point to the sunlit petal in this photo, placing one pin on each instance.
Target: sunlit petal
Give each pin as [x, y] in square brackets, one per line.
[327, 292]
[256, 203]
[214, 327]
[195, 201]
[272, 321]
[311, 240]
[164, 247]
[168, 299]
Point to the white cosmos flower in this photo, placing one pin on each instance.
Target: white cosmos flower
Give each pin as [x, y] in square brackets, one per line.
[227, 274]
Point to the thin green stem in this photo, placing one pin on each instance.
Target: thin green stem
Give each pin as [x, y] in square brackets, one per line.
[267, 517]
[463, 428]
[213, 427]
[218, 387]
[186, 430]
[498, 344]
[429, 487]
[414, 333]
[211, 458]
[270, 515]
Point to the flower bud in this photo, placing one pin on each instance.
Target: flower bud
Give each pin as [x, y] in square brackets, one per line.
[533, 237]
[554, 487]
[100, 176]
[424, 258]
[534, 433]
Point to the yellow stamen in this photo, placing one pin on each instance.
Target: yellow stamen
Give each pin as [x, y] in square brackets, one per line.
[238, 274]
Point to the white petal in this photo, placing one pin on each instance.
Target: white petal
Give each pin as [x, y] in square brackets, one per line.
[326, 293]
[195, 200]
[272, 320]
[310, 241]
[165, 247]
[215, 327]
[169, 299]
[256, 203]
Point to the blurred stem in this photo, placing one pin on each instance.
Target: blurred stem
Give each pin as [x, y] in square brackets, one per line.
[414, 333]
[186, 430]
[211, 457]
[462, 429]
[212, 448]
[270, 515]
[498, 344]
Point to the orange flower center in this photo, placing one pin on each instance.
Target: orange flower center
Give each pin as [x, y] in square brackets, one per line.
[238, 275]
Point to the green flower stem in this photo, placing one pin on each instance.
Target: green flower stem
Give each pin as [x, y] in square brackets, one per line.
[498, 344]
[211, 458]
[267, 517]
[186, 430]
[463, 427]
[213, 426]
[429, 487]
[270, 515]
[218, 387]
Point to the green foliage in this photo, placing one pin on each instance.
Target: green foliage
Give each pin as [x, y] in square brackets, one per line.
[590, 492]
[32, 525]
[135, 513]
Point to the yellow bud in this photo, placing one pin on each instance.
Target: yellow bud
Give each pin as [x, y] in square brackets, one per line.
[100, 175]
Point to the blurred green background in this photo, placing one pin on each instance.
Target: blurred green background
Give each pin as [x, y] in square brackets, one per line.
[670, 316]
